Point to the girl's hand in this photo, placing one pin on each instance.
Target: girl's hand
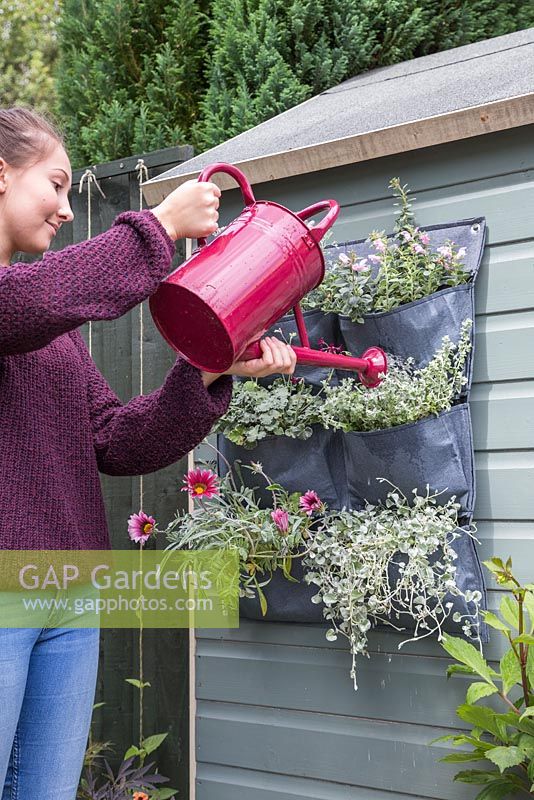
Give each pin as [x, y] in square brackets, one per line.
[277, 356]
[190, 210]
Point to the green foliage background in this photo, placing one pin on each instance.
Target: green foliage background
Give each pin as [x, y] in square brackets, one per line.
[129, 76]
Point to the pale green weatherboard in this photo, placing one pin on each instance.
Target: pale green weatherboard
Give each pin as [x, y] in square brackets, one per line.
[277, 717]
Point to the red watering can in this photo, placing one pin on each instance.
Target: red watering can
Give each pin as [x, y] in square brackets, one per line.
[216, 306]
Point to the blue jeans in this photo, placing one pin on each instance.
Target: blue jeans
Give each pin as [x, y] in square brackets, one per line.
[47, 688]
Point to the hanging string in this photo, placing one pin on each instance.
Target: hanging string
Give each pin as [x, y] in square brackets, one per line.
[89, 177]
[142, 175]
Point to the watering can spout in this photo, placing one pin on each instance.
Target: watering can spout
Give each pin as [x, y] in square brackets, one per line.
[371, 366]
[259, 267]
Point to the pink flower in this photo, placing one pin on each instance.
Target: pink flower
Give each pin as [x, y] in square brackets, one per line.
[310, 502]
[201, 483]
[361, 265]
[445, 251]
[424, 238]
[380, 245]
[417, 248]
[375, 259]
[140, 527]
[343, 257]
[329, 348]
[461, 252]
[406, 235]
[280, 519]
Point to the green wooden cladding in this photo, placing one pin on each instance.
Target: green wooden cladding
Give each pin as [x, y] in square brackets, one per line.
[277, 718]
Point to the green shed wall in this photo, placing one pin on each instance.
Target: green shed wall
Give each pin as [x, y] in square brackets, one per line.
[277, 717]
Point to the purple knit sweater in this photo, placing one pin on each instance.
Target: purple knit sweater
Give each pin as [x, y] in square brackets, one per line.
[60, 422]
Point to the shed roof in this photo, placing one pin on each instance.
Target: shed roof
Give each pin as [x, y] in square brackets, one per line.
[467, 91]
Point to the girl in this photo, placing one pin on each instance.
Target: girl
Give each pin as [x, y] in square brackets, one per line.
[61, 423]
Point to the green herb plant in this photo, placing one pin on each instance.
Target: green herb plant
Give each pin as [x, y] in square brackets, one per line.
[501, 734]
[405, 394]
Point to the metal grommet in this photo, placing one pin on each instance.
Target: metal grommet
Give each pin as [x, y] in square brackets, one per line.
[475, 228]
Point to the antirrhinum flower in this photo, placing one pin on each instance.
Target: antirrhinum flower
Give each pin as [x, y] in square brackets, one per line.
[343, 257]
[140, 527]
[406, 235]
[201, 483]
[280, 519]
[418, 248]
[361, 265]
[424, 238]
[310, 502]
[380, 245]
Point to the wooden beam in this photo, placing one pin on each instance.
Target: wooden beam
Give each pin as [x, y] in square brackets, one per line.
[463, 124]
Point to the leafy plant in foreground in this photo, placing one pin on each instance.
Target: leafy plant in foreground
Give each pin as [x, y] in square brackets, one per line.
[503, 739]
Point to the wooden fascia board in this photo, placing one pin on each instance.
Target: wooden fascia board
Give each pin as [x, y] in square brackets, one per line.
[463, 124]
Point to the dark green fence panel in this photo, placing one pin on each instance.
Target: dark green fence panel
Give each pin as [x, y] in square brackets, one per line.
[116, 349]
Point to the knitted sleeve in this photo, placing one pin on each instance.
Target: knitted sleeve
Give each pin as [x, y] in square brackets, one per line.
[102, 278]
[154, 430]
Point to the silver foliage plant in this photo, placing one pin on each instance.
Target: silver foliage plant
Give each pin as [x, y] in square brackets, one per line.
[403, 268]
[289, 407]
[385, 562]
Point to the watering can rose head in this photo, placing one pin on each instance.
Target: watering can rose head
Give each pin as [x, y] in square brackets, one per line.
[259, 267]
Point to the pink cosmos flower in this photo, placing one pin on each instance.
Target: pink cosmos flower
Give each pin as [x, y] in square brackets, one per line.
[310, 502]
[424, 238]
[140, 527]
[201, 483]
[280, 519]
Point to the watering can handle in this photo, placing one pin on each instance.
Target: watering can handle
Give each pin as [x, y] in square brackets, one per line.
[234, 172]
[319, 230]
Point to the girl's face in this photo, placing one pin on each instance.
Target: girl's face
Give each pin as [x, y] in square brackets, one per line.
[34, 203]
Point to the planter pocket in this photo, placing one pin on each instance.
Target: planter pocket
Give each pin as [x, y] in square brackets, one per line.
[319, 326]
[416, 329]
[286, 601]
[298, 465]
[468, 578]
[437, 451]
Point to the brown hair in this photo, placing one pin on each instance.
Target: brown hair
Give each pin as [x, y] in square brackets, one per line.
[25, 136]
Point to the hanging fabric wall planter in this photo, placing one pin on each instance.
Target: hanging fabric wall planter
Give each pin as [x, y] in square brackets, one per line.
[343, 468]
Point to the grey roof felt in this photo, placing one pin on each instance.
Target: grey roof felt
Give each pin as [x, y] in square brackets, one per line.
[464, 77]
